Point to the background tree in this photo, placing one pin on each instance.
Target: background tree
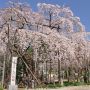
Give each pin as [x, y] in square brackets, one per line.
[52, 37]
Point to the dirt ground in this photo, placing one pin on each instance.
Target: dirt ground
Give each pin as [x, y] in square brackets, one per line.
[64, 88]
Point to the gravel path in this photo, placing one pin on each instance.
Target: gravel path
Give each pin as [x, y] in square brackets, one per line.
[65, 88]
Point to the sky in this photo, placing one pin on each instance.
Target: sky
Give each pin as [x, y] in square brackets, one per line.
[80, 8]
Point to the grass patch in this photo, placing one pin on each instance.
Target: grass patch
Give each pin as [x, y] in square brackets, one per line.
[65, 84]
[51, 85]
[1, 88]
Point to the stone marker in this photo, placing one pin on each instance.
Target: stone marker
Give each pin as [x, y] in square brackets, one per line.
[13, 85]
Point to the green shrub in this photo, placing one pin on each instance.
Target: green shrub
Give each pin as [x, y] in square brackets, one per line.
[51, 86]
[66, 83]
[77, 84]
[73, 83]
[54, 85]
[58, 85]
[88, 83]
